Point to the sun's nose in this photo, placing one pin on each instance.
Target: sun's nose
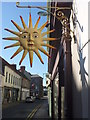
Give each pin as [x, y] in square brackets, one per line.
[29, 38]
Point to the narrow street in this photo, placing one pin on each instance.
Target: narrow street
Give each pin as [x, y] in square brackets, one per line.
[24, 110]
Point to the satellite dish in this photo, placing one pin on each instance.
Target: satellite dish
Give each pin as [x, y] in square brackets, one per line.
[41, 13]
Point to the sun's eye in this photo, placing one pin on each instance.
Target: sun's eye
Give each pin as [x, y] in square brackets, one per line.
[24, 36]
[35, 35]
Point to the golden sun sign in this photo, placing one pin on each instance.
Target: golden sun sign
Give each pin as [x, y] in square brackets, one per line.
[30, 40]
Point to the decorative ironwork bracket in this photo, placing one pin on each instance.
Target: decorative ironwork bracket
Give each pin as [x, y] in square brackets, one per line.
[85, 45]
[58, 14]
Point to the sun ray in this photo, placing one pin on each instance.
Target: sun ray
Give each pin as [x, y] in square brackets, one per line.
[42, 50]
[23, 23]
[11, 38]
[31, 57]
[17, 52]
[13, 45]
[16, 33]
[23, 56]
[45, 33]
[30, 21]
[39, 56]
[47, 45]
[17, 26]
[50, 39]
[36, 25]
[30, 39]
[43, 26]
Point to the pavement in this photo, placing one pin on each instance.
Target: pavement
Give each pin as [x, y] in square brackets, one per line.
[42, 112]
[6, 105]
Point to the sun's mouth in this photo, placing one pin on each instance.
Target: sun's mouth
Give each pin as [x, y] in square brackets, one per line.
[30, 44]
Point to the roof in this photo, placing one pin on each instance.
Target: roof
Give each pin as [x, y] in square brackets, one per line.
[1, 66]
[4, 63]
[35, 75]
[22, 74]
[27, 74]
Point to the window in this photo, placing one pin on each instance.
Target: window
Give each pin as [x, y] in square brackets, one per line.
[9, 78]
[19, 82]
[16, 80]
[6, 76]
[13, 80]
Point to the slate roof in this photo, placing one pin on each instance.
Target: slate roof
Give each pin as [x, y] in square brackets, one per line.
[4, 63]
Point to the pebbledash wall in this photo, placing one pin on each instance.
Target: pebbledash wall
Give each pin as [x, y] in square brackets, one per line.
[80, 72]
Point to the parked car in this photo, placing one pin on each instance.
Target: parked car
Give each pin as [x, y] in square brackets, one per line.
[30, 99]
[33, 98]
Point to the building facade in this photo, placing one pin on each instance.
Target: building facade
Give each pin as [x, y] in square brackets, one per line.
[36, 86]
[26, 80]
[68, 65]
[25, 87]
[15, 85]
[12, 85]
[11, 82]
[80, 64]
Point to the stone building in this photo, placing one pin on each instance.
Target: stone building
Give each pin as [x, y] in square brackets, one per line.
[36, 86]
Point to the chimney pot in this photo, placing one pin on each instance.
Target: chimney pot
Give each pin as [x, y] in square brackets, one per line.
[22, 68]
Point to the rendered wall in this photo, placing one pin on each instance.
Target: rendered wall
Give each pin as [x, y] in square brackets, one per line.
[89, 60]
[80, 61]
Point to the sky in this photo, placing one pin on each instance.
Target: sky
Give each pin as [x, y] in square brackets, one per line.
[11, 12]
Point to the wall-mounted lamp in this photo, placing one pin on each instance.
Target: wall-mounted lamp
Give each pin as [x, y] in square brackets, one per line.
[42, 13]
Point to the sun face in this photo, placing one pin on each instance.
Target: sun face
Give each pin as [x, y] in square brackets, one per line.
[30, 40]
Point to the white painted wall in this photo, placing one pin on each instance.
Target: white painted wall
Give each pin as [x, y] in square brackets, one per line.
[89, 60]
[2, 85]
[80, 74]
[25, 93]
[17, 79]
[18, 83]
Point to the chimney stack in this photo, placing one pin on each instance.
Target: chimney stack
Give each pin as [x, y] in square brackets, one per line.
[14, 66]
[22, 68]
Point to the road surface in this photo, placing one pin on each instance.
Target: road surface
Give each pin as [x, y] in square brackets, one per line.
[22, 110]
